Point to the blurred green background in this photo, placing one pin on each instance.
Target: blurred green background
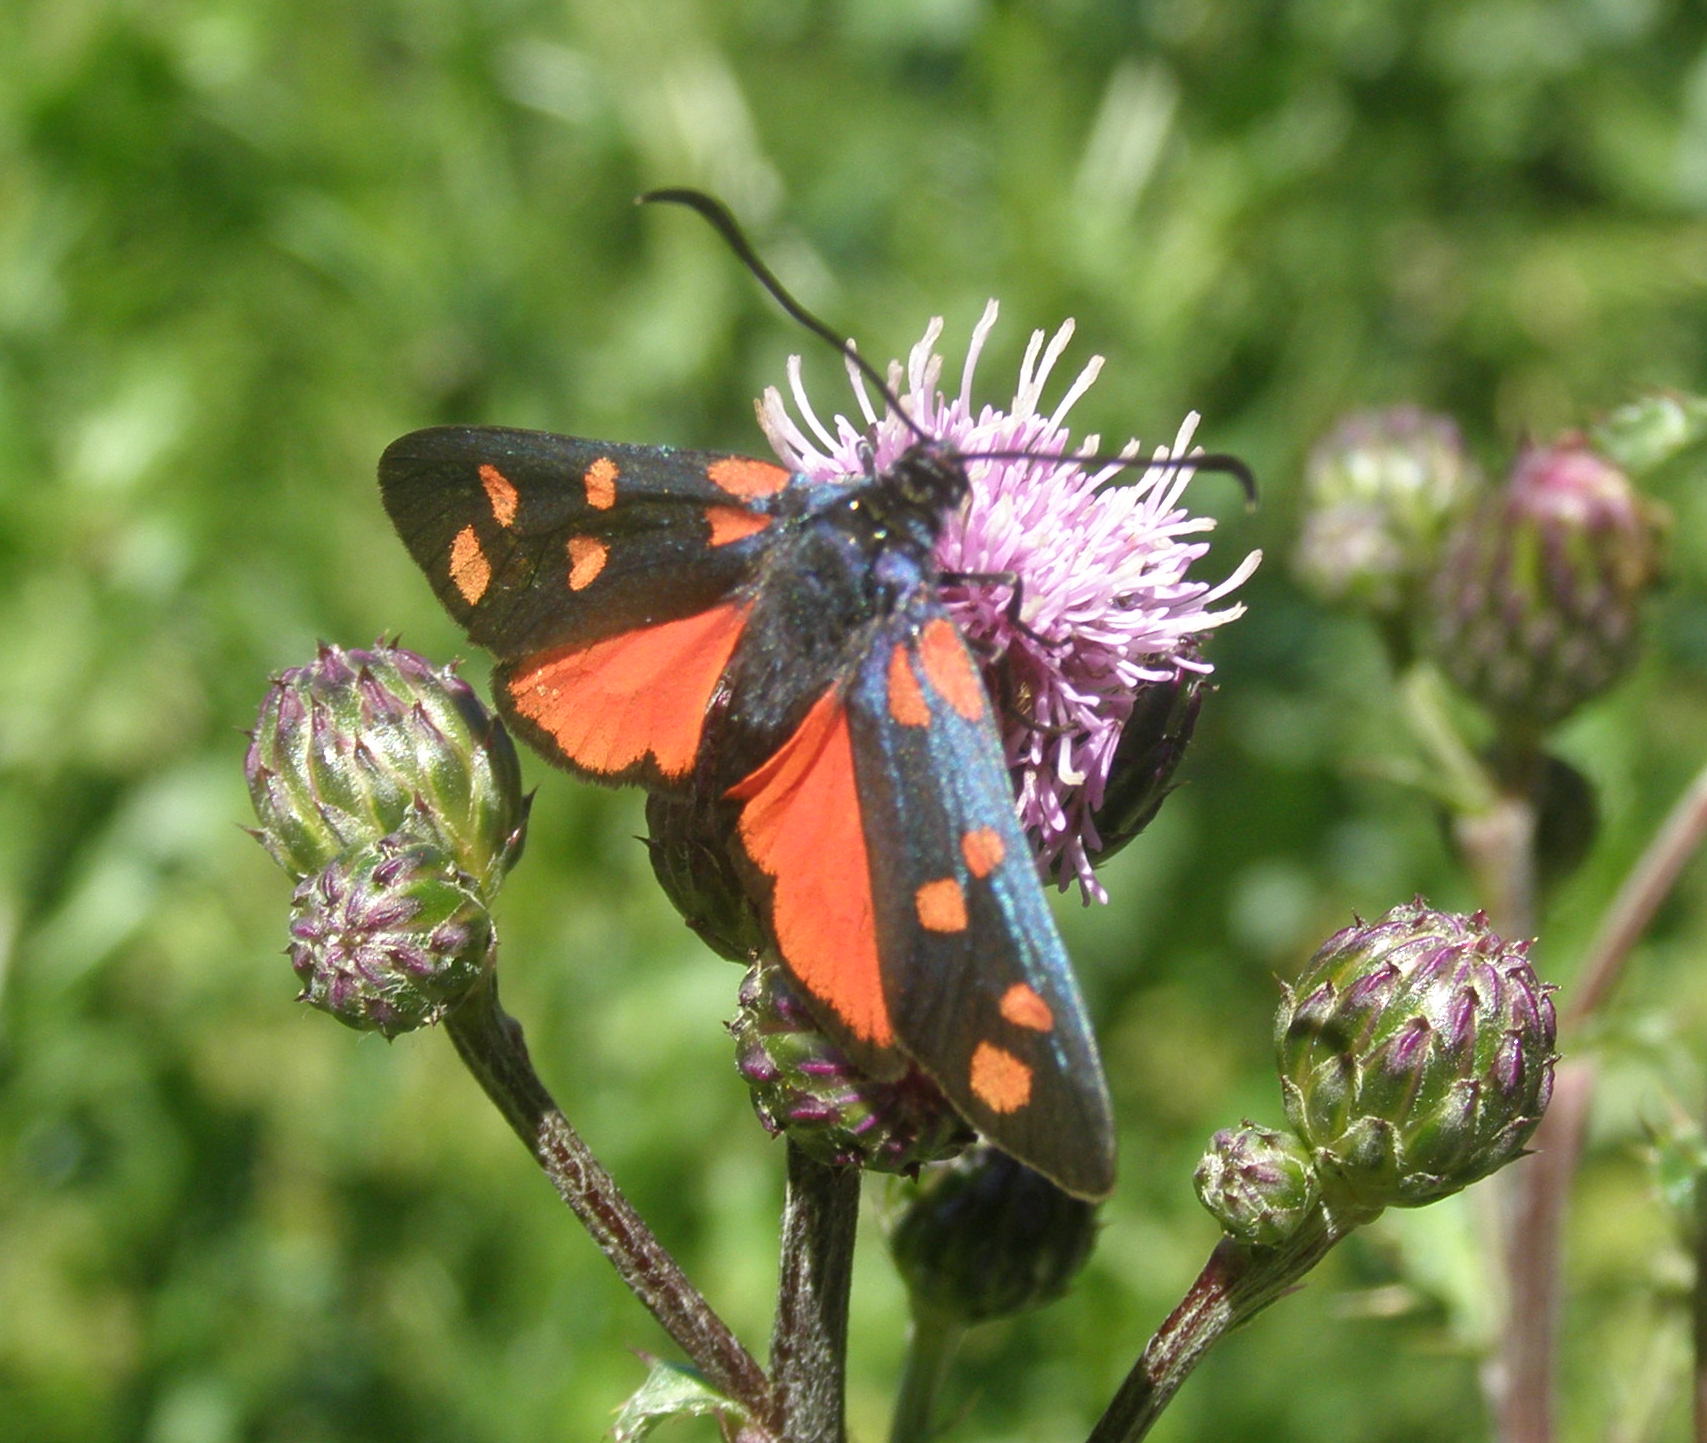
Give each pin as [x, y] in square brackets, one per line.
[245, 244]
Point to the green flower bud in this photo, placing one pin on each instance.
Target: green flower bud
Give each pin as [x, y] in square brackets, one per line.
[805, 1086]
[1380, 491]
[360, 744]
[1152, 743]
[1416, 1056]
[389, 936]
[1534, 608]
[691, 861]
[1259, 1184]
[986, 1237]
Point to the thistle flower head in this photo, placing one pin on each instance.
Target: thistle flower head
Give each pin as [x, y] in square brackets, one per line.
[1258, 1183]
[805, 1087]
[389, 936]
[1108, 603]
[1538, 597]
[1416, 1056]
[1380, 490]
[986, 1237]
[360, 744]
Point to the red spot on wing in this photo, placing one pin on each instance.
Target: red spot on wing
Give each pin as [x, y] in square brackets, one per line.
[500, 493]
[801, 826]
[731, 523]
[948, 667]
[1023, 1007]
[906, 698]
[941, 906]
[470, 571]
[983, 849]
[587, 557]
[999, 1079]
[746, 478]
[642, 693]
[600, 484]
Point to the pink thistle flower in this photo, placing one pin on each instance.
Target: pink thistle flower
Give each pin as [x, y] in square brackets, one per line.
[1107, 606]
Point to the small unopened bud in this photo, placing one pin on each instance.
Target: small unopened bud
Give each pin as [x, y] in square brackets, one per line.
[690, 859]
[1380, 491]
[1416, 1056]
[804, 1086]
[389, 936]
[986, 1237]
[1152, 743]
[1535, 605]
[1259, 1184]
[359, 744]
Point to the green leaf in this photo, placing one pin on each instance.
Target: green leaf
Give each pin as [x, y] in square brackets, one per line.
[669, 1391]
[1646, 433]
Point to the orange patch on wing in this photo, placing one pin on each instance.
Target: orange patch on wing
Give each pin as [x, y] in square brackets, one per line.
[906, 697]
[746, 478]
[641, 693]
[731, 523]
[600, 484]
[801, 826]
[948, 667]
[587, 557]
[941, 906]
[469, 569]
[500, 493]
[999, 1079]
[1022, 1006]
[983, 849]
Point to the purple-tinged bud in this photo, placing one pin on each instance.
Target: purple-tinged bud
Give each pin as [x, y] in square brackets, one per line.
[804, 1086]
[1535, 605]
[691, 861]
[985, 1237]
[359, 744]
[389, 936]
[1259, 1184]
[1152, 744]
[1416, 1056]
[1380, 491]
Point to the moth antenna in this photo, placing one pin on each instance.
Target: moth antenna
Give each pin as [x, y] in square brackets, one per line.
[718, 216]
[1205, 461]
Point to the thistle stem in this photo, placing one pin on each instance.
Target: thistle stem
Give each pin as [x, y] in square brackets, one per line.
[932, 1342]
[1542, 1186]
[1235, 1285]
[1698, 1308]
[1651, 879]
[809, 1342]
[490, 1043]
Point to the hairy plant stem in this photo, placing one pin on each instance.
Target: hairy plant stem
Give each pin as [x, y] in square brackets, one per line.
[932, 1342]
[1698, 1309]
[1540, 1189]
[1235, 1285]
[809, 1342]
[490, 1043]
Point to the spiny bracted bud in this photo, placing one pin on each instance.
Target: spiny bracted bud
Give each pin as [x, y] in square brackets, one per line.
[1380, 491]
[804, 1086]
[1152, 743]
[359, 744]
[1535, 606]
[985, 1237]
[690, 859]
[1259, 1184]
[1416, 1056]
[389, 936]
